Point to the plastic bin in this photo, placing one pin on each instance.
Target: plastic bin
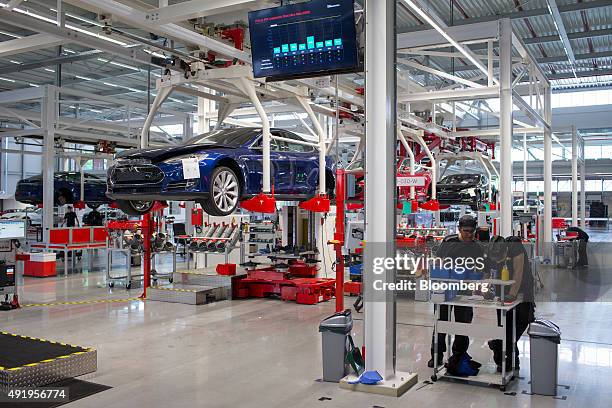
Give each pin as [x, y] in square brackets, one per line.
[544, 339]
[334, 332]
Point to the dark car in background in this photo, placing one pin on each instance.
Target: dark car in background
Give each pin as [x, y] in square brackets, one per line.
[224, 167]
[66, 188]
[462, 189]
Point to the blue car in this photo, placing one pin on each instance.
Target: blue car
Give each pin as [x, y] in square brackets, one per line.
[66, 187]
[228, 170]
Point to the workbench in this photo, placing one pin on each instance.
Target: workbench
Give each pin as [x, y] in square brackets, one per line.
[478, 330]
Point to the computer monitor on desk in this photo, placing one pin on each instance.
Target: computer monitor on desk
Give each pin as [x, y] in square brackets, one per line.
[12, 229]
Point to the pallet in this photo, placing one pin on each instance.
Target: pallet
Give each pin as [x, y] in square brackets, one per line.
[33, 362]
[187, 294]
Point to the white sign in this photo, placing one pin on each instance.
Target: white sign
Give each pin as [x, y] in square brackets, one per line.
[12, 229]
[411, 181]
[191, 168]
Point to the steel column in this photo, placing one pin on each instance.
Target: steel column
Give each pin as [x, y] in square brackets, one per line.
[574, 177]
[525, 159]
[547, 173]
[380, 130]
[249, 89]
[505, 127]
[582, 188]
[322, 136]
[339, 237]
[48, 124]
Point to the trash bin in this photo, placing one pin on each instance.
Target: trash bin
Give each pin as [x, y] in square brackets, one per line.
[544, 339]
[334, 332]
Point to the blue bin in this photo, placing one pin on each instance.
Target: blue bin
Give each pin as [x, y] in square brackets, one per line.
[474, 275]
[440, 273]
[356, 269]
[458, 275]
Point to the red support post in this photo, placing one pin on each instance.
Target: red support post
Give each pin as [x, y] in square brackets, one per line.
[339, 238]
[146, 235]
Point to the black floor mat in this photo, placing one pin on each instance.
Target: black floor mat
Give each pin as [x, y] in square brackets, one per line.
[16, 351]
[77, 389]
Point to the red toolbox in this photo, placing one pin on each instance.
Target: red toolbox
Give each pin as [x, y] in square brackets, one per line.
[352, 288]
[288, 293]
[228, 269]
[267, 274]
[303, 270]
[313, 291]
[40, 265]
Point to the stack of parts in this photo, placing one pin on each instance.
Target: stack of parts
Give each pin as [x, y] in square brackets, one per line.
[268, 281]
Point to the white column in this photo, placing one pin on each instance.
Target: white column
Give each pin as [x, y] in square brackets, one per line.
[574, 177]
[547, 173]
[525, 159]
[205, 106]
[582, 188]
[380, 93]
[505, 125]
[48, 123]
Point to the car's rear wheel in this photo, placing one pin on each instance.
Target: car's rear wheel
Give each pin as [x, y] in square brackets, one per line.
[224, 192]
[135, 208]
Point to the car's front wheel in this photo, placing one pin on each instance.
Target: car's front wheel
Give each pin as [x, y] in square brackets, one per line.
[135, 208]
[224, 192]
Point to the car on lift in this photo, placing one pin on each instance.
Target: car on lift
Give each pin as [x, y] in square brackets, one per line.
[533, 206]
[66, 189]
[422, 193]
[216, 169]
[462, 189]
[32, 215]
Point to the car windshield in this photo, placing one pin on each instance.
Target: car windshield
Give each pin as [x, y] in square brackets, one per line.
[226, 137]
[461, 179]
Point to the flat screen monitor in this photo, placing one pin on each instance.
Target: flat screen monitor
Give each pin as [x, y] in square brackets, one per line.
[304, 40]
[12, 229]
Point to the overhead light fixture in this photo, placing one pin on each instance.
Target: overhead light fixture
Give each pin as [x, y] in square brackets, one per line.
[438, 27]
[6, 79]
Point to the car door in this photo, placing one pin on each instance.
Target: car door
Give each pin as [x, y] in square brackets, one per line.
[281, 163]
[280, 167]
[305, 165]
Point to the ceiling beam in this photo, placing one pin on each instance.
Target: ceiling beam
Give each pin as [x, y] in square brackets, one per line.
[524, 13]
[137, 18]
[73, 36]
[29, 43]
[50, 61]
[567, 46]
[581, 74]
[12, 4]
[571, 36]
[198, 8]
[559, 58]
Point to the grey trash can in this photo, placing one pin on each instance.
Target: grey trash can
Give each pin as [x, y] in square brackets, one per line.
[544, 339]
[334, 332]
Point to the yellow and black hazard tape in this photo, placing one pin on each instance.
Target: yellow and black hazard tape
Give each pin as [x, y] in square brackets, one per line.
[49, 360]
[80, 302]
[175, 289]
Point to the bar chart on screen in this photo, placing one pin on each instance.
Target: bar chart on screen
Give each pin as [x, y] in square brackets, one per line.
[308, 42]
[304, 39]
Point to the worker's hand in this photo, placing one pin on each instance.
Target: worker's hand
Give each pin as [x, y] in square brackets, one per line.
[509, 298]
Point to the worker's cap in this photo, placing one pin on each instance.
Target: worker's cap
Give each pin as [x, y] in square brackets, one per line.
[467, 221]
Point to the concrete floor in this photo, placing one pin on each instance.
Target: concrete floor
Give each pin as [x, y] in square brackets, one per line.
[266, 353]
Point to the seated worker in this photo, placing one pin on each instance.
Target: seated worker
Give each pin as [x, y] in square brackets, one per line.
[455, 246]
[583, 238]
[511, 253]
